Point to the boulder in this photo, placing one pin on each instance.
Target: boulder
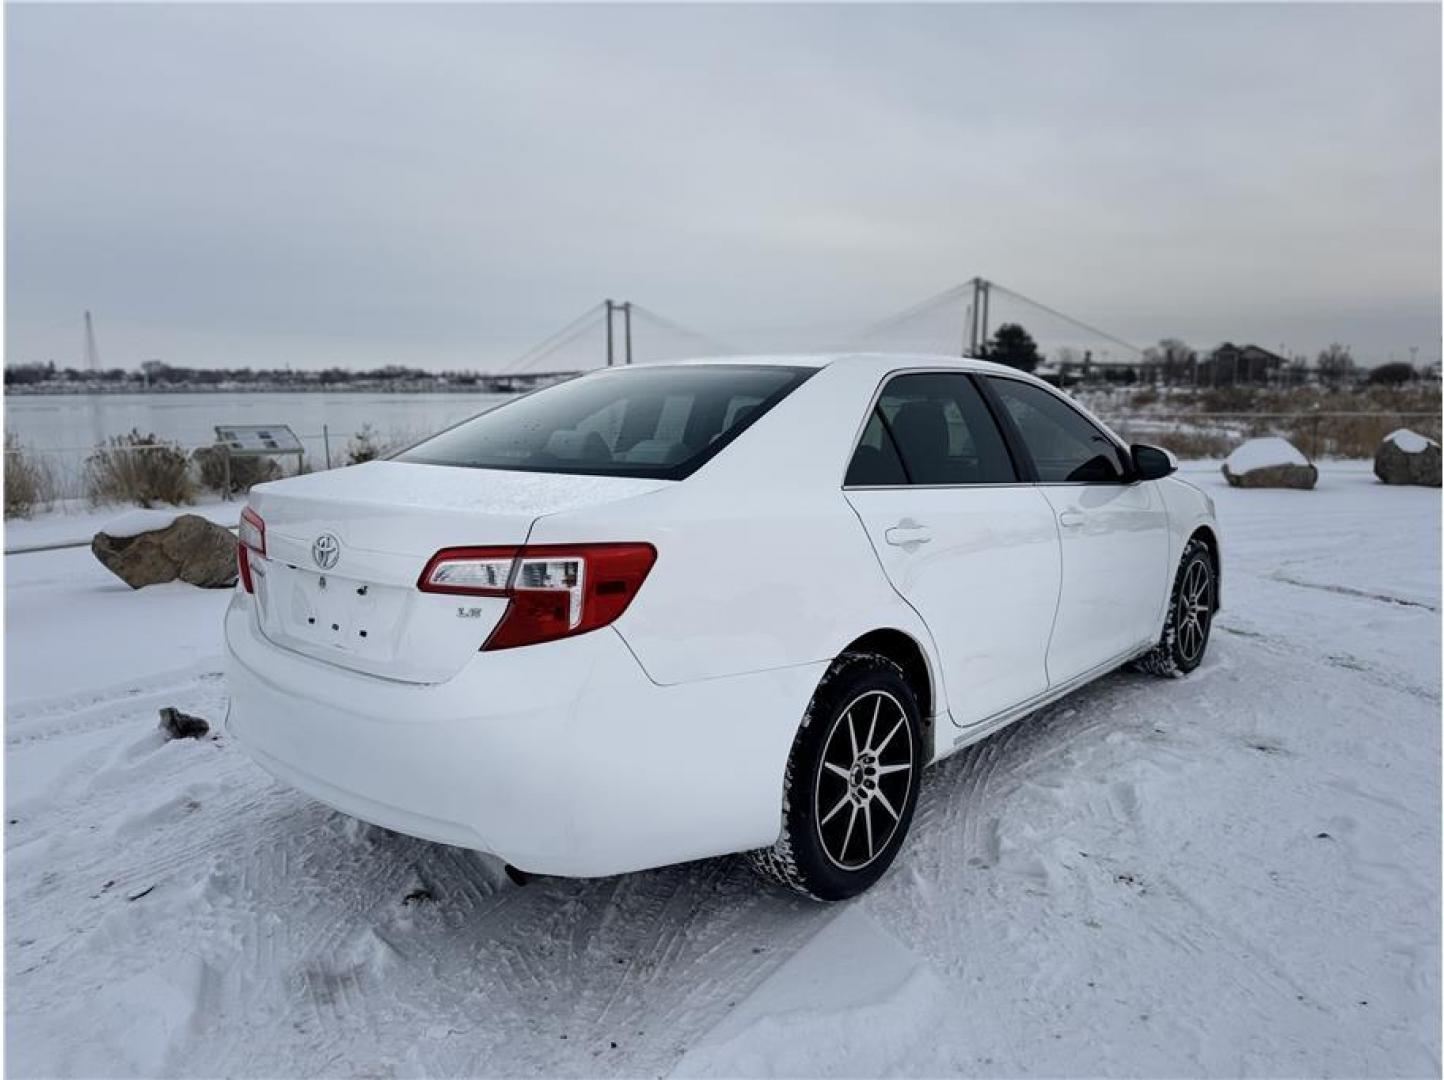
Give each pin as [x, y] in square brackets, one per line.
[186, 548]
[1270, 462]
[178, 725]
[1406, 457]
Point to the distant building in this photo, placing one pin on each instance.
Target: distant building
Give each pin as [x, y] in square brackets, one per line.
[1242, 365]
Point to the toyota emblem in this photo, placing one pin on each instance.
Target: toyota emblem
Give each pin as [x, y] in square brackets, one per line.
[326, 550]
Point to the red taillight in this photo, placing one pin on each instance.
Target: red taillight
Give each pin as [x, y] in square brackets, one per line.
[251, 537]
[243, 562]
[555, 591]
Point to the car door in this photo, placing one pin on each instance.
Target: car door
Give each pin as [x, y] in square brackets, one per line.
[1114, 531]
[962, 538]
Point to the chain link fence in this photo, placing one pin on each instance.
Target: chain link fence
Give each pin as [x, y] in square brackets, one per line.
[96, 473]
[1319, 434]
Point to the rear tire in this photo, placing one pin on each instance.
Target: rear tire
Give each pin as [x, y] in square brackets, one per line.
[851, 782]
[1190, 616]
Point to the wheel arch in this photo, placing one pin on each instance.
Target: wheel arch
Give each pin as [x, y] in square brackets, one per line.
[908, 653]
[1209, 539]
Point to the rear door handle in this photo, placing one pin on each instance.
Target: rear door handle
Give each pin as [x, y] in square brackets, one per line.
[907, 532]
[1071, 519]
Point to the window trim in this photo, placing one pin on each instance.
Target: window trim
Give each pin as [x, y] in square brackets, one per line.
[1010, 426]
[1022, 467]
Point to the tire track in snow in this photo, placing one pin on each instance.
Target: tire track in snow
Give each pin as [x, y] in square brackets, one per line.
[1360, 594]
[962, 841]
[35, 720]
[1368, 670]
[684, 933]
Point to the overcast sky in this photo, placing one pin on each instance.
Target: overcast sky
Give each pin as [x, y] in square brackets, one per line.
[443, 186]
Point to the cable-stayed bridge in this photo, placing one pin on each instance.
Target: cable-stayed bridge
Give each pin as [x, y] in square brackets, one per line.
[958, 321]
[607, 334]
[961, 321]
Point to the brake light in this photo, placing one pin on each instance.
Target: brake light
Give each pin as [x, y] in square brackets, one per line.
[251, 536]
[555, 591]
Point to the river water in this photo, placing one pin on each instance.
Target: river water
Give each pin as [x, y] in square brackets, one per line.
[63, 428]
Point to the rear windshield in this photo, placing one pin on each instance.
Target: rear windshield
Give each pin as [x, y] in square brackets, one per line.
[661, 423]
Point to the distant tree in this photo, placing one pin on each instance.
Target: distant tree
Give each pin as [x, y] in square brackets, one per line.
[1014, 346]
[1394, 374]
[1176, 360]
[24, 374]
[1336, 366]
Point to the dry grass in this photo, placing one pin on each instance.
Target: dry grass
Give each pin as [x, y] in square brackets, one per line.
[1322, 423]
[1350, 436]
[244, 472]
[29, 482]
[139, 469]
[1414, 398]
[1192, 445]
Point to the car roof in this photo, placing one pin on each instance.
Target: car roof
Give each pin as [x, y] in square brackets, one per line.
[871, 361]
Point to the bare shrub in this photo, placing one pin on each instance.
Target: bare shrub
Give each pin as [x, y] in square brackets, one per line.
[140, 469]
[244, 472]
[365, 445]
[29, 483]
[1230, 399]
[1351, 436]
[1194, 444]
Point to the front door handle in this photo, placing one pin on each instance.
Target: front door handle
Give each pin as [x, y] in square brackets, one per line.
[908, 532]
[1071, 519]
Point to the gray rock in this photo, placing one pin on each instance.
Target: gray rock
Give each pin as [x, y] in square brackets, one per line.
[179, 725]
[1269, 461]
[1407, 458]
[189, 549]
[1274, 476]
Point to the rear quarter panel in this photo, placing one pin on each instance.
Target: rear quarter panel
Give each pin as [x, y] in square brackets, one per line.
[761, 563]
[746, 584]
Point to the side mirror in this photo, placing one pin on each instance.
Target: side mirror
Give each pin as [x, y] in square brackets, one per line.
[1152, 462]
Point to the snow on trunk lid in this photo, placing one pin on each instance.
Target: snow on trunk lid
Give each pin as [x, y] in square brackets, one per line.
[345, 548]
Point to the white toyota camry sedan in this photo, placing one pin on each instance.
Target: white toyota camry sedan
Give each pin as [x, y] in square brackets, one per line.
[660, 613]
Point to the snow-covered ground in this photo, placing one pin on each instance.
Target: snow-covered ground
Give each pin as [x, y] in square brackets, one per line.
[74, 521]
[1235, 873]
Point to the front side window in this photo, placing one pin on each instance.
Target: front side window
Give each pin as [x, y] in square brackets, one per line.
[660, 423]
[1064, 444]
[930, 428]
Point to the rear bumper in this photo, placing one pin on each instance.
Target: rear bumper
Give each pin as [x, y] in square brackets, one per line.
[562, 758]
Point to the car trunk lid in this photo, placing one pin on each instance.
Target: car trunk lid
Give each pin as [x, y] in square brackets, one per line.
[345, 549]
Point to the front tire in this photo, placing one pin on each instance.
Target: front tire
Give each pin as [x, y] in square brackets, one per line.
[1190, 616]
[851, 782]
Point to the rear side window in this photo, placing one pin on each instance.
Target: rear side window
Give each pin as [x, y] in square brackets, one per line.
[930, 428]
[1064, 444]
[660, 423]
[875, 462]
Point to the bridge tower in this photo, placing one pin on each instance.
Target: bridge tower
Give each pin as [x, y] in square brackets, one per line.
[92, 354]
